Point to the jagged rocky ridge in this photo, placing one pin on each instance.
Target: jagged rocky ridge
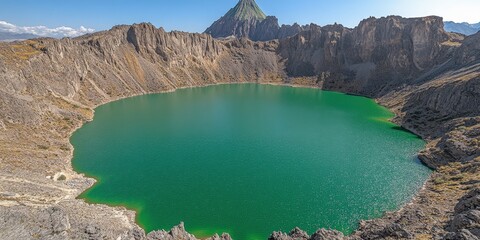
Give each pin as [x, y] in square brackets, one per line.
[247, 20]
[359, 60]
[50, 87]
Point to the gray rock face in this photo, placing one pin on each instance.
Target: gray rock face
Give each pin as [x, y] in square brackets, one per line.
[286, 31]
[461, 235]
[459, 144]
[320, 49]
[298, 234]
[469, 51]
[360, 59]
[466, 221]
[179, 233]
[382, 230]
[59, 219]
[324, 234]
[52, 223]
[471, 201]
[66, 220]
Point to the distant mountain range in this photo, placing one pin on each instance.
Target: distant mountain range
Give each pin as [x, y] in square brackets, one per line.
[463, 28]
[8, 36]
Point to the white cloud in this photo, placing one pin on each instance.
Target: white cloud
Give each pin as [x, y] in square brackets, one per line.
[43, 31]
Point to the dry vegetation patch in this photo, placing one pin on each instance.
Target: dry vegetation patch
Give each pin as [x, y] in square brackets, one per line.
[17, 52]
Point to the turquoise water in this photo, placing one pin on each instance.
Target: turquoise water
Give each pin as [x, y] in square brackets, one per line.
[249, 159]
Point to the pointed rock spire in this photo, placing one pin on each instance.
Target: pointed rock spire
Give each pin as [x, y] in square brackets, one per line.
[247, 20]
[240, 21]
[246, 10]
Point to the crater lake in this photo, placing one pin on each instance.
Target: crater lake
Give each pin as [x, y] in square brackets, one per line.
[249, 159]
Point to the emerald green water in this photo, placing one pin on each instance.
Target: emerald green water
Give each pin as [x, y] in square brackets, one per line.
[249, 159]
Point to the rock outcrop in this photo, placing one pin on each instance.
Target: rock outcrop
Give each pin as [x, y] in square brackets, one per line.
[469, 52]
[179, 232]
[359, 60]
[466, 221]
[428, 77]
[298, 234]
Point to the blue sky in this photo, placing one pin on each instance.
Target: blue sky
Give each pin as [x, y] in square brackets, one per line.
[197, 15]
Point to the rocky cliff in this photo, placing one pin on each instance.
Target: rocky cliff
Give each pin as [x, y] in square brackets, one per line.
[466, 222]
[360, 60]
[428, 77]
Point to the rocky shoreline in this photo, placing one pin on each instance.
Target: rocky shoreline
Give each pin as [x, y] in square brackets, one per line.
[52, 86]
